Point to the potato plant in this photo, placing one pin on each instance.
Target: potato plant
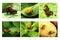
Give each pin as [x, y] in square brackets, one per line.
[10, 29]
[29, 29]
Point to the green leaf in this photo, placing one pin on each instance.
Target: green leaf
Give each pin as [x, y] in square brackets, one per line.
[33, 34]
[6, 24]
[35, 9]
[28, 23]
[22, 23]
[35, 24]
[23, 31]
[17, 24]
[13, 29]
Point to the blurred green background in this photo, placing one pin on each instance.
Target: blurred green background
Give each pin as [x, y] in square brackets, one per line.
[24, 5]
[12, 27]
[52, 6]
[16, 6]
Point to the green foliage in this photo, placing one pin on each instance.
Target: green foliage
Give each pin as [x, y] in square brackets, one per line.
[25, 32]
[4, 5]
[12, 28]
[33, 34]
[17, 24]
[15, 6]
[35, 9]
[24, 5]
[6, 24]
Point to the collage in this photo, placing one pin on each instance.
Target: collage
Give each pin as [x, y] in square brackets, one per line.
[30, 28]
[30, 19]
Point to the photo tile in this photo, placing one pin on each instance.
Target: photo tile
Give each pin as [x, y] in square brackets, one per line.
[48, 29]
[10, 29]
[29, 29]
[11, 10]
[48, 10]
[29, 10]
